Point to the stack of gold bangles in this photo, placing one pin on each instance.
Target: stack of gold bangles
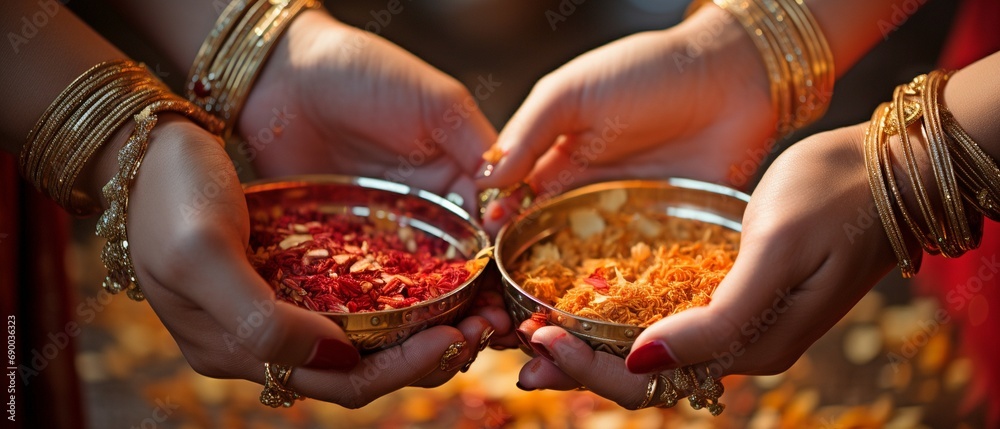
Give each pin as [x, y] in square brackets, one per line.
[78, 123]
[966, 178]
[234, 53]
[797, 57]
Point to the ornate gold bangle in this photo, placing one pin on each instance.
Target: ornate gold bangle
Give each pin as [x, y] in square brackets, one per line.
[797, 57]
[231, 58]
[966, 178]
[113, 224]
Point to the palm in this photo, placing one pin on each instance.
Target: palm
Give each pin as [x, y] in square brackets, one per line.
[363, 107]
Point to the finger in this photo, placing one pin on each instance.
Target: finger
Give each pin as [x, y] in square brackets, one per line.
[243, 305]
[602, 373]
[748, 293]
[473, 329]
[534, 128]
[490, 306]
[378, 374]
[201, 257]
[464, 132]
[497, 317]
[562, 168]
[465, 188]
[540, 373]
[503, 342]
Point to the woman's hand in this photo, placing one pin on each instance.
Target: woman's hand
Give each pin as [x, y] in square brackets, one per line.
[804, 262]
[335, 99]
[689, 101]
[189, 228]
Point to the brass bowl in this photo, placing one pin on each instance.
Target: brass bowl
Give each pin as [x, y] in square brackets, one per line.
[365, 197]
[681, 198]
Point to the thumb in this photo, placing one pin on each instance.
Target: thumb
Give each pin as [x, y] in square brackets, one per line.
[720, 332]
[243, 304]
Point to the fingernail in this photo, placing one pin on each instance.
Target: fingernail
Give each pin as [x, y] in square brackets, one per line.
[652, 356]
[521, 386]
[485, 170]
[497, 212]
[331, 353]
[540, 350]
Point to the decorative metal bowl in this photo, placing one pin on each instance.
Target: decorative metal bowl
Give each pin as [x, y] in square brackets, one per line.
[386, 201]
[681, 198]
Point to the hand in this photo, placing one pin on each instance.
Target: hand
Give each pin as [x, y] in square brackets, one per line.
[649, 105]
[798, 272]
[335, 99]
[189, 228]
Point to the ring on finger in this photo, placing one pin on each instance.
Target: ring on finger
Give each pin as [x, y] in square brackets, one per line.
[484, 342]
[654, 380]
[450, 354]
[276, 393]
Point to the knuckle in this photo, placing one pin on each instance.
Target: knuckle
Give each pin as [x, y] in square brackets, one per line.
[206, 366]
[268, 339]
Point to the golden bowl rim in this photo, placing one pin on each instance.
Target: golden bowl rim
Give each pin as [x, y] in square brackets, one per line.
[673, 182]
[482, 237]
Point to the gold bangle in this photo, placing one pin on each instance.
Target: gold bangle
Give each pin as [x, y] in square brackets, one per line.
[967, 179]
[874, 140]
[231, 58]
[77, 123]
[797, 57]
[113, 224]
[654, 380]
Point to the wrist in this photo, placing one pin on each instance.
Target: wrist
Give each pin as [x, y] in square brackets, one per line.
[103, 166]
[730, 57]
[285, 74]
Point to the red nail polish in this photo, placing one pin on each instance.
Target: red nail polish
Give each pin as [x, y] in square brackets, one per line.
[650, 357]
[497, 212]
[331, 353]
[540, 350]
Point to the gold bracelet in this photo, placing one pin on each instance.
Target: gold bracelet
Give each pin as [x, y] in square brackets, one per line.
[113, 224]
[231, 58]
[875, 140]
[797, 57]
[80, 120]
[966, 178]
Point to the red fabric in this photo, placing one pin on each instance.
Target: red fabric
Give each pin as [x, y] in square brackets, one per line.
[969, 286]
[34, 236]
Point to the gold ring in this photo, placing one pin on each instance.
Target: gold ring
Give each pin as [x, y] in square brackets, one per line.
[490, 195]
[275, 393]
[484, 342]
[450, 354]
[705, 395]
[484, 339]
[650, 391]
[669, 396]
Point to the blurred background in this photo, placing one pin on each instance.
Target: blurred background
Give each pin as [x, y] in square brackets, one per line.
[129, 366]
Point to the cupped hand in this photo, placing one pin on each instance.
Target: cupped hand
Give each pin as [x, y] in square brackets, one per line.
[804, 261]
[189, 229]
[336, 99]
[690, 101]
